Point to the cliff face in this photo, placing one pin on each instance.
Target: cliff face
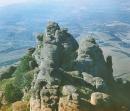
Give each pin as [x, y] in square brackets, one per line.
[70, 76]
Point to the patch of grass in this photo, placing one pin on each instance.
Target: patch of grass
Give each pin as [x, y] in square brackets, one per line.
[85, 92]
[7, 107]
[4, 82]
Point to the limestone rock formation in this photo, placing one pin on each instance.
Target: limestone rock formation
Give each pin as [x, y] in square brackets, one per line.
[20, 106]
[70, 76]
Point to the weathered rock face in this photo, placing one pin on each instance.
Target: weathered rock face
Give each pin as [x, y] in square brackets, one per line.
[56, 50]
[20, 106]
[90, 58]
[69, 73]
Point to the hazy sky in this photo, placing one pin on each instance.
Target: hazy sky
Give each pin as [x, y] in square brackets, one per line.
[77, 3]
[9, 2]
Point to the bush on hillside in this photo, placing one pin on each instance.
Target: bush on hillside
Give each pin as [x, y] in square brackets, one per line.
[27, 79]
[22, 77]
[24, 65]
[7, 72]
[12, 93]
[4, 82]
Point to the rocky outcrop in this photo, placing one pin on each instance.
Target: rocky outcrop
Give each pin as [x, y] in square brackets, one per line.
[20, 106]
[70, 76]
[100, 99]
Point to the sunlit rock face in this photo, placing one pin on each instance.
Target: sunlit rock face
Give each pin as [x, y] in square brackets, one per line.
[68, 73]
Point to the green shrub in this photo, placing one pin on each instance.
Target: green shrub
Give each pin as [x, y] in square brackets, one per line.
[22, 76]
[4, 82]
[7, 72]
[24, 65]
[12, 93]
[27, 79]
[24, 79]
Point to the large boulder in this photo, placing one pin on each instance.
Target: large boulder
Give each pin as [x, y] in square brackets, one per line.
[100, 99]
